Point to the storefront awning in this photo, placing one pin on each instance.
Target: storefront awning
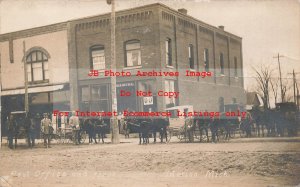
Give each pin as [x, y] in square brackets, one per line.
[32, 90]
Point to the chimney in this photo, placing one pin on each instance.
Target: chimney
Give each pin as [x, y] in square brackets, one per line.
[221, 27]
[183, 11]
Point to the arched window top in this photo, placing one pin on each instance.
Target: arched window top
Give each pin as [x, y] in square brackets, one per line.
[97, 46]
[132, 41]
[36, 54]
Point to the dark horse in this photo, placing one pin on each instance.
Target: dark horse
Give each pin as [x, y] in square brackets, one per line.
[101, 127]
[203, 125]
[137, 125]
[146, 126]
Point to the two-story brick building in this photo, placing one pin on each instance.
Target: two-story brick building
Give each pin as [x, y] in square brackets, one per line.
[152, 37]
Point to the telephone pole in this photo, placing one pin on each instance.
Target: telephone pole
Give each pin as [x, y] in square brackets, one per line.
[0, 106]
[295, 86]
[281, 89]
[114, 128]
[25, 79]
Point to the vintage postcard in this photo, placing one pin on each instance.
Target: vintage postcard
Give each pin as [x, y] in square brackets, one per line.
[149, 93]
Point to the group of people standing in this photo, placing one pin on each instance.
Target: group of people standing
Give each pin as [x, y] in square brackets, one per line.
[28, 126]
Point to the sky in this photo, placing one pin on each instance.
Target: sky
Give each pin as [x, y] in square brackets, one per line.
[268, 27]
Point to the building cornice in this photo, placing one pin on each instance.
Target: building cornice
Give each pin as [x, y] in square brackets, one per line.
[33, 31]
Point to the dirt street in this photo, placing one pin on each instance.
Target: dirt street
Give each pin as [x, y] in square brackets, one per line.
[239, 162]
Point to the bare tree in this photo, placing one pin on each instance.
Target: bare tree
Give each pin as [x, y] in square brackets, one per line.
[275, 85]
[286, 90]
[263, 80]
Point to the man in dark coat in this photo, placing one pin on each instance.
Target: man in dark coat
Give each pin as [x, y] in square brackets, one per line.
[11, 124]
[30, 127]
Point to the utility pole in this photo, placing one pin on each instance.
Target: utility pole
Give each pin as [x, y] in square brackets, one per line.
[295, 86]
[0, 94]
[25, 79]
[281, 89]
[0, 105]
[114, 128]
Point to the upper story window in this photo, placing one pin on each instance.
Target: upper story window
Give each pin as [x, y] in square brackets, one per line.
[168, 45]
[170, 87]
[37, 66]
[97, 57]
[221, 104]
[133, 53]
[235, 67]
[191, 57]
[206, 60]
[222, 63]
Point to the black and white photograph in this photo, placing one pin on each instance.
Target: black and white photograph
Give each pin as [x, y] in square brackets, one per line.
[154, 93]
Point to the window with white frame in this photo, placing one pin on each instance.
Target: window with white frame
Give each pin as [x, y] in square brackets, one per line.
[133, 53]
[170, 87]
[206, 61]
[37, 66]
[191, 57]
[97, 57]
[168, 45]
[235, 67]
[222, 63]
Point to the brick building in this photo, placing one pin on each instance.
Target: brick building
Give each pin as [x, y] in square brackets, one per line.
[153, 37]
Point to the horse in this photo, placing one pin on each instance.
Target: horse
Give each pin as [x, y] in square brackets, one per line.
[134, 125]
[159, 125]
[101, 126]
[247, 124]
[203, 125]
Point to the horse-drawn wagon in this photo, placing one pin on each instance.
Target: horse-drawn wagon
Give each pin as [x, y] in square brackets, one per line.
[182, 126]
[62, 131]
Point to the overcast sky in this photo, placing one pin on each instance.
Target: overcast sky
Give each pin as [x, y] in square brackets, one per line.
[267, 27]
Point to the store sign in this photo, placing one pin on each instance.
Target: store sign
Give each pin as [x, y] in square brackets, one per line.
[125, 84]
[148, 100]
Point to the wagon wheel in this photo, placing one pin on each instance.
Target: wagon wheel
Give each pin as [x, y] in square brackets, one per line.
[169, 134]
[203, 136]
[82, 137]
[55, 137]
[68, 138]
[221, 134]
[182, 134]
[197, 134]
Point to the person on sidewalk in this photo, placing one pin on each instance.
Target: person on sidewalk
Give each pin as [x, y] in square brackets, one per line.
[30, 128]
[74, 123]
[46, 128]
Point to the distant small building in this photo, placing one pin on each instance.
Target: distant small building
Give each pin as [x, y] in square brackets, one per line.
[252, 100]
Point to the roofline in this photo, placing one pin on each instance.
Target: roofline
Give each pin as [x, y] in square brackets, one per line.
[199, 21]
[63, 25]
[164, 6]
[34, 31]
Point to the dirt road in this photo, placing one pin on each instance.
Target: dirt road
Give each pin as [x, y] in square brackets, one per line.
[240, 162]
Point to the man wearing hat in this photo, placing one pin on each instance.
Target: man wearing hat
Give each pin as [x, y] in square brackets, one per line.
[46, 128]
[74, 123]
[30, 127]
